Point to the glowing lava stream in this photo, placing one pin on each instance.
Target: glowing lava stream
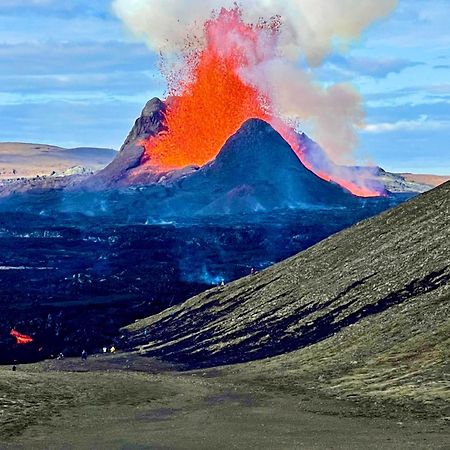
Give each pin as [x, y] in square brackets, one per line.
[21, 339]
[208, 107]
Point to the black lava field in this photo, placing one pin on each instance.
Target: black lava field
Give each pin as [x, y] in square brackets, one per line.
[73, 281]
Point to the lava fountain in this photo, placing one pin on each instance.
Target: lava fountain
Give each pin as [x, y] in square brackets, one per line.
[209, 106]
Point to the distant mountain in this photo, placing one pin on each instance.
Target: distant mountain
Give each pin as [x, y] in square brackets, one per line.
[402, 183]
[365, 312]
[424, 179]
[18, 160]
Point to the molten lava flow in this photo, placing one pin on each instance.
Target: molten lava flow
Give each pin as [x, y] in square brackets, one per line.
[213, 104]
[209, 105]
[21, 339]
[291, 137]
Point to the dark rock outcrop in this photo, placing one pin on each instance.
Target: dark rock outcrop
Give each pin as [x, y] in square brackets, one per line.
[150, 123]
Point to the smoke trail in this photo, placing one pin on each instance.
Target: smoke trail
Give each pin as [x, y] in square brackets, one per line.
[313, 28]
[334, 112]
[310, 30]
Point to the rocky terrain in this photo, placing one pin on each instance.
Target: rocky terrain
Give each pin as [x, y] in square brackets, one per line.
[342, 346]
[71, 281]
[364, 313]
[413, 183]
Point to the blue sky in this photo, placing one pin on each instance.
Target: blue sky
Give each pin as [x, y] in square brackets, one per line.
[71, 75]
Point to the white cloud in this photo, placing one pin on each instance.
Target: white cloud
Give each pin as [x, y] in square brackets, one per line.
[423, 123]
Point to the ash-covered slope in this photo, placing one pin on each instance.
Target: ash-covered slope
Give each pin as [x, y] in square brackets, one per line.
[372, 300]
[256, 170]
[259, 166]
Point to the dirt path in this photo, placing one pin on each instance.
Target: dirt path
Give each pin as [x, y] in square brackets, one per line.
[133, 403]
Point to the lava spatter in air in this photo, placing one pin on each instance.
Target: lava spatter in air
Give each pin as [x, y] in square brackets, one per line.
[211, 105]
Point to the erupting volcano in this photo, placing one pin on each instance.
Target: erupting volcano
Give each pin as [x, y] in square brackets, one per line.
[214, 90]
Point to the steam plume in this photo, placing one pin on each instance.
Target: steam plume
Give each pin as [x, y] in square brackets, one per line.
[310, 26]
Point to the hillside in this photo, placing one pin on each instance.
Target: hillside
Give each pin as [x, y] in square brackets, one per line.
[397, 183]
[355, 329]
[18, 160]
[363, 313]
[430, 180]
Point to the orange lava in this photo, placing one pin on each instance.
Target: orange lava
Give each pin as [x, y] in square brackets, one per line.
[213, 103]
[21, 339]
[290, 136]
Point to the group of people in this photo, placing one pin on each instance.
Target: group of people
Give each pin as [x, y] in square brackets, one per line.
[84, 355]
[105, 350]
[109, 350]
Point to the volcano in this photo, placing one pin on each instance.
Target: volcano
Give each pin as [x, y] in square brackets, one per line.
[256, 170]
